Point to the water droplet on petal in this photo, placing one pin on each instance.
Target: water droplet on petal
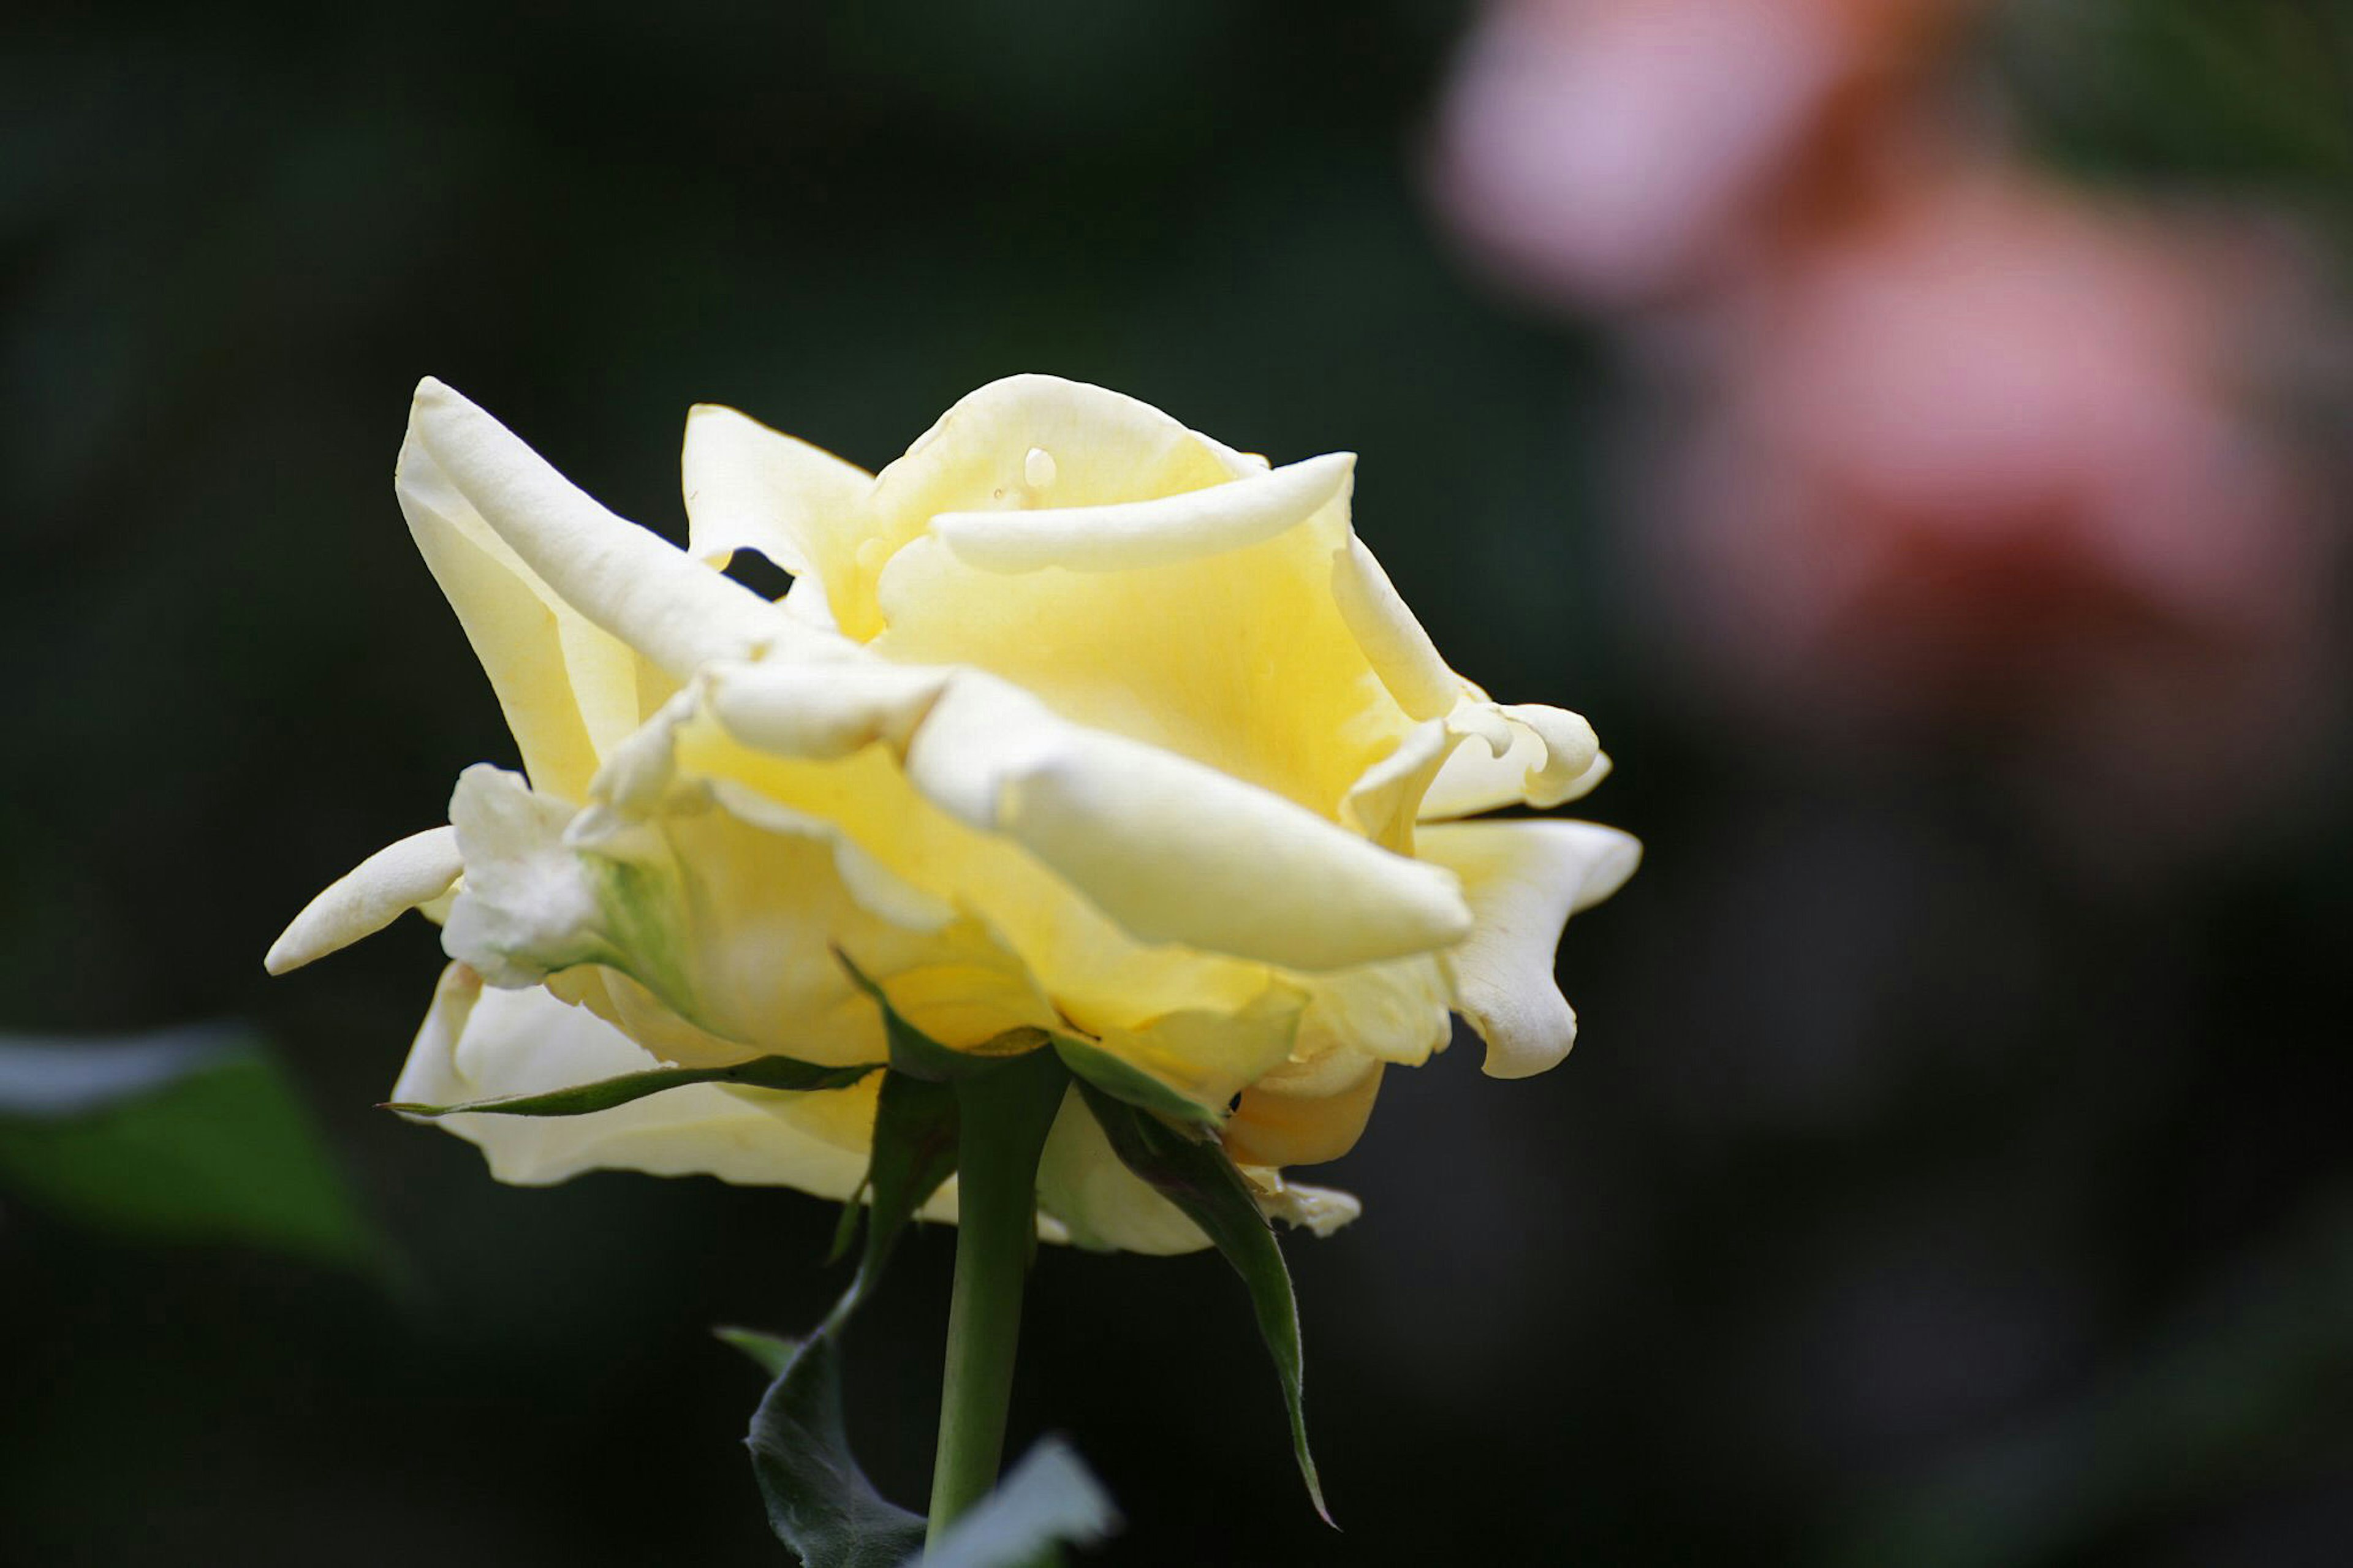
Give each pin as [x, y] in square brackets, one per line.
[1038, 468]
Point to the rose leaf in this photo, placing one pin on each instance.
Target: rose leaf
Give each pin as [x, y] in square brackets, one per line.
[1201, 1180]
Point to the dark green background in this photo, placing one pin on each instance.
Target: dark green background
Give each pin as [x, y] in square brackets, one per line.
[1911, 1199]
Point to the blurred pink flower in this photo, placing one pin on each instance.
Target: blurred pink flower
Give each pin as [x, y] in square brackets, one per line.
[1607, 152]
[1993, 458]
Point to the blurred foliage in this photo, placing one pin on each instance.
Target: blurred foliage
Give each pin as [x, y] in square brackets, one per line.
[189, 1136]
[2258, 93]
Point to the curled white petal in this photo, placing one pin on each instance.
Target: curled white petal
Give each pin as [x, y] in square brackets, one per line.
[635, 585]
[1172, 850]
[1524, 880]
[530, 905]
[1393, 641]
[1515, 754]
[397, 879]
[1122, 536]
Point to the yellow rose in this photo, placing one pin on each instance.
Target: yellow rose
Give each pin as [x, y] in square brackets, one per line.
[1074, 717]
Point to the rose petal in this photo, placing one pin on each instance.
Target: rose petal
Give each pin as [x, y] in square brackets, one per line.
[1524, 881]
[727, 910]
[1172, 850]
[1270, 1128]
[1125, 536]
[633, 584]
[751, 488]
[1100, 1202]
[1515, 754]
[397, 879]
[478, 1043]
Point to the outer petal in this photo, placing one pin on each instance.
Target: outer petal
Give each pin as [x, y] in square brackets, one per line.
[567, 689]
[476, 1044]
[1522, 754]
[1525, 880]
[1274, 1128]
[1172, 850]
[397, 879]
[1393, 640]
[1101, 1203]
[751, 488]
[1321, 1210]
[634, 585]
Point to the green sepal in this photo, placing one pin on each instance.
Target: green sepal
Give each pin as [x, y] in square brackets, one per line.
[1201, 1180]
[821, 1504]
[582, 1099]
[917, 1054]
[1048, 1500]
[914, 1151]
[1126, 1081]
[771, 1352]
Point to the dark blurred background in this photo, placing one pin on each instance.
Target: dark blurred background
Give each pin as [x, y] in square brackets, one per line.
[1912, 432]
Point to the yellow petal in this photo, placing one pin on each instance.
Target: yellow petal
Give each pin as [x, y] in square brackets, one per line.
[632, 584]
[478, 1043]
[725, 910]
[1270, 1128]
[1393, 640]
[1514, 754]
[1126, 536]
[551, 687]
[751, 488]
[1175, 851]
[1525, 880]
[1100, 1202]
[371, 896]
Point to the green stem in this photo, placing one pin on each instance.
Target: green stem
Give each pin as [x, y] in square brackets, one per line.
[1004, 1118]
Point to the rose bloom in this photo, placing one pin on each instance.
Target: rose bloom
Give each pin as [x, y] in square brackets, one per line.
[1609, 153]
[1995, 460]
[1072, 718]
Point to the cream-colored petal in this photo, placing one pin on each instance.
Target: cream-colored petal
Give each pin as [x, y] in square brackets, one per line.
[516, 631]
[1125, 536]
[1239, 660]
[479, 1044]
[397, 879]
[1393, 1012]
[1174, 851]
[1099, 975]
[530, 905]
[1025, 441]
[1514, 754]
[632, 584]
[1319, 1210]
[1525, 880]
[751, 488]
[1383, 803]
[1098, 447]
[1392, 639]
[1100, 1202]
[1212, 1056]
[825, 710]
